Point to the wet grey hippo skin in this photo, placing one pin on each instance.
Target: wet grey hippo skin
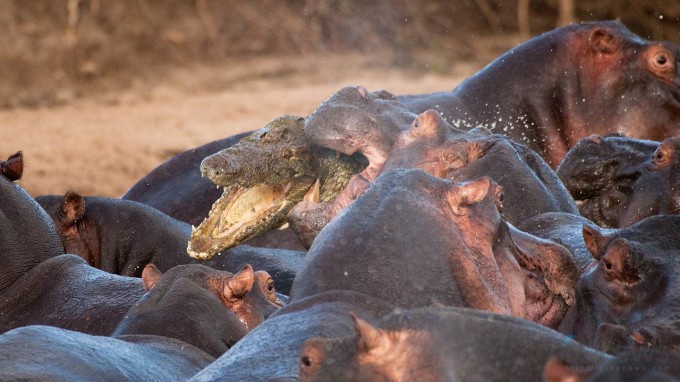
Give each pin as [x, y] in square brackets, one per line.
[603, 175]
[566, 230]
[433, 145]
[582, 79]
[441, 344]
[174, 331]
[629, 298]
[122, 237]
[41, 285]
[368, 273]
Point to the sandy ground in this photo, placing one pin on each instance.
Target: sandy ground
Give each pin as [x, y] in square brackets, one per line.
[104, 144]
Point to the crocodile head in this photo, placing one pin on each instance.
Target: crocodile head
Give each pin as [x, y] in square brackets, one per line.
[264, 176]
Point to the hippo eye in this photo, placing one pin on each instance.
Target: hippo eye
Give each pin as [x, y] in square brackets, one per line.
[661, 59]
[607, 265]
[270, 286]
[500, 197]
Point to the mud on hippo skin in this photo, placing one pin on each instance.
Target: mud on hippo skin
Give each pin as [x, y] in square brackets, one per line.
[369, 249]
[608, 80]
[630, 297]
[601, 174]
[416, 345]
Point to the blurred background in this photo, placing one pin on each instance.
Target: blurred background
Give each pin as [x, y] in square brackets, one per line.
[98, 93]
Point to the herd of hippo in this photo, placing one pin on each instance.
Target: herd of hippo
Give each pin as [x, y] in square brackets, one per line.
[520, 227]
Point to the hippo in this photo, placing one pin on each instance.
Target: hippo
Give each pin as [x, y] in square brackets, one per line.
[601, 172]
[178, 328]
[417, 345]
[657, 190]
[589, 78]
[431, 144]
[263, 177]
[565, 229]
[123, 236]
[511, 272]
[637, 365]
[629, 297]
[39, 284]
[249, 296]
[371, 259]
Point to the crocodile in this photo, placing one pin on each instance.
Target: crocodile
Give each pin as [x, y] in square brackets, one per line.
[263, 176]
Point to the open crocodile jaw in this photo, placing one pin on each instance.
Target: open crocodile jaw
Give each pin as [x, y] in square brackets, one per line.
[243, 213]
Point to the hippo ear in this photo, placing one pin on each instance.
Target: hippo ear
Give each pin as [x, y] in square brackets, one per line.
[468, 193]
[150, 276]
[556, 370]
[595, 241]
[663, 155]
[73, 208]
[368, 337]
[428, 124]
[477, 148]
[603, 41]
[241, 283]
[363, 93]
[13, 168]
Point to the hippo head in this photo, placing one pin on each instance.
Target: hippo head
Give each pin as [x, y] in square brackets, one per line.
[373, 354]
[250, 295]
[354, 120]
[601, 172]
[657, 191]
[629, 297]
[434, 146]
[264, 176]
[202, 306]
[622, 275]
[79, 236]
[626, 83]
[27, 234]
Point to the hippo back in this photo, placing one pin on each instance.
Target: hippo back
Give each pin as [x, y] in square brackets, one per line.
[271, 351]
[48, 353]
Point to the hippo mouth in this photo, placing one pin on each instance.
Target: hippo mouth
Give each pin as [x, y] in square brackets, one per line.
[243, 213]
[543, 305]
[549, 279]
